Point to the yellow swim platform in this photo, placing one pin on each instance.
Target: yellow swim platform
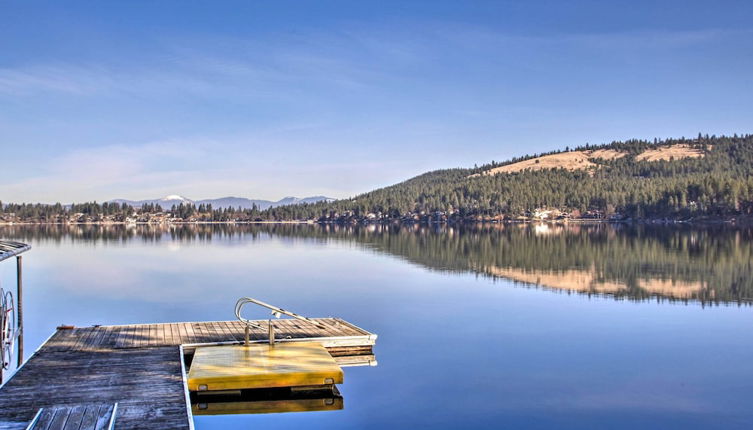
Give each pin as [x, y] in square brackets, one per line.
[262, 365]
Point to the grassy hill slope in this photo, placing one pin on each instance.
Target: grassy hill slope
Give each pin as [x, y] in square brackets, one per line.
[674, 178]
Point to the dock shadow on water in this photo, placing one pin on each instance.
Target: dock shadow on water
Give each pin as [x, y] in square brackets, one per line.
[487, 326]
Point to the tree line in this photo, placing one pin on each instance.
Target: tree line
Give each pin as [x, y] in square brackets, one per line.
[718, 184]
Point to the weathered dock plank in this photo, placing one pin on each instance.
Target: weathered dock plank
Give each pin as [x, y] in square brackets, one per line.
[169, 334]
[79, 417]
[147, 383]
[81, 370]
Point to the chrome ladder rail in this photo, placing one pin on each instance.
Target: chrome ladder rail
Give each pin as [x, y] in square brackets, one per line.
[276, 312]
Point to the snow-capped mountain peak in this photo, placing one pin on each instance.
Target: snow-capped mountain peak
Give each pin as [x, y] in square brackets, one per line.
[173, 197]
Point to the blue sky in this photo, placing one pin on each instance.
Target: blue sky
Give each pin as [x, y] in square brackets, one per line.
[102, 100]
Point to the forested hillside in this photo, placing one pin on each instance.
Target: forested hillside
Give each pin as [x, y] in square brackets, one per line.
[718, 183]
[675, 179]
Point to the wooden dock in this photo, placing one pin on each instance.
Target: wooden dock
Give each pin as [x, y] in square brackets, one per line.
[80, 374]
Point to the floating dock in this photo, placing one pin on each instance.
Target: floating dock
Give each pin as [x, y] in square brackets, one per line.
[135, 377]
[260, 366]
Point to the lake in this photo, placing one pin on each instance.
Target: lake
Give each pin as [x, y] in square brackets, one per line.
[498, 326]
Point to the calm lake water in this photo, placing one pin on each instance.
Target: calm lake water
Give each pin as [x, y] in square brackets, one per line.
[529, 326]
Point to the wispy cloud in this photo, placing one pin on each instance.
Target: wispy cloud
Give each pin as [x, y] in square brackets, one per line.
[330, 112]
[247, 69]
[93, 171]
[98, 80]
[347, 61]
[198, 168]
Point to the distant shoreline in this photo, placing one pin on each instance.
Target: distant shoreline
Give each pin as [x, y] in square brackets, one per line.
[738, 220]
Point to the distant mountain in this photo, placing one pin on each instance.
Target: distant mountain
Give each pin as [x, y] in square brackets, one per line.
[297, 201]
[234, 202]
[224, 202]
[166, 202]
[238, 202]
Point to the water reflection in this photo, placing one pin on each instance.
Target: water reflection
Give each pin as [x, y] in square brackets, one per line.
[709, 265]
[548, 358]
[266, 401]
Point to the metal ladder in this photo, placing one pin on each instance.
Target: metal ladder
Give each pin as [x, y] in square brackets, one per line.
[276, 312]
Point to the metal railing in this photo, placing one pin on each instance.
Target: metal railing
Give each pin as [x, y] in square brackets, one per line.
[276, 312]
[11, 312]
[9, 329]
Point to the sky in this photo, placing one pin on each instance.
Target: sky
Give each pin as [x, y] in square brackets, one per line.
[140, 99]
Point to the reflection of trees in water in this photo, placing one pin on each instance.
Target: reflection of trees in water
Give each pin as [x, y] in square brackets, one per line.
[124, 233]
[708, 264]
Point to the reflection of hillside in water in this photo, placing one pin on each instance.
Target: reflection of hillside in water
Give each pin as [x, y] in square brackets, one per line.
[706, 264]
[710, 265]
[588, 281]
